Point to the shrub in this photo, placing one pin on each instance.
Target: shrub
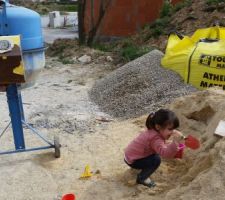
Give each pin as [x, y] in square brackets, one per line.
[159, 26]
[106, 47]
[162, 22]
[210, 2]
[166, 9]
[66, 61]
[132, 52]
[157, 31]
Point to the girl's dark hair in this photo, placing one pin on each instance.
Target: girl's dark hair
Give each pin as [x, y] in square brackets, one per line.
[163, 118]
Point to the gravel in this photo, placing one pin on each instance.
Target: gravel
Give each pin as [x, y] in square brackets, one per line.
[139, 87]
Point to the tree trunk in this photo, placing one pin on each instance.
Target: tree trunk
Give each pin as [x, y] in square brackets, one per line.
[81, 15]
[95, 27]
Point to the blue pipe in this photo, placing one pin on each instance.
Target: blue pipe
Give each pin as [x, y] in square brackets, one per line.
[25, 150]
[36, 132]
[15, 115]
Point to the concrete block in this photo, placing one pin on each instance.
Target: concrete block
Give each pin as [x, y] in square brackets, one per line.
[54, 19]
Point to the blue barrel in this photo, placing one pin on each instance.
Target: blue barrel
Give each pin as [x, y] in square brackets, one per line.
[16, 20]
[27, 23]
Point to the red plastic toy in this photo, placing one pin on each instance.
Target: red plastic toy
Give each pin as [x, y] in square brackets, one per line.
[192, 142]
[69, 197]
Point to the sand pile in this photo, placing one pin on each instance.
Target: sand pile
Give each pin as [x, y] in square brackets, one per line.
[138, 87]
[203, 177]
[200, 174]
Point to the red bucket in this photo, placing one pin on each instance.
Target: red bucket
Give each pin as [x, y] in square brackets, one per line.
[69, 197]
[180, 151]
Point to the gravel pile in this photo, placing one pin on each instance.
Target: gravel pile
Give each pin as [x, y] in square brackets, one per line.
[139, 87]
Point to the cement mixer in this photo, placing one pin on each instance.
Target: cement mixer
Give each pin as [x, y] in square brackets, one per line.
[22, 56]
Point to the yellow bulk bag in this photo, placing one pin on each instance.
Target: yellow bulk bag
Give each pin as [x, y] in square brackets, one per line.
[199, 59]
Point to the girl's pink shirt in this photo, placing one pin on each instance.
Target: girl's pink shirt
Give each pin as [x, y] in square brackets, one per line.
[149, 142]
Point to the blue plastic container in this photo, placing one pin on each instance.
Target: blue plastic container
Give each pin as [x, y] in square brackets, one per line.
[26, 23]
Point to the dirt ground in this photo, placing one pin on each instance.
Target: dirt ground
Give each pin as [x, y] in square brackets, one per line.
[59, 105]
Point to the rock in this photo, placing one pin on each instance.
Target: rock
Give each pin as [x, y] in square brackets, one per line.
[74, 59]
[48, 66]
[85, 59]
[109, 59]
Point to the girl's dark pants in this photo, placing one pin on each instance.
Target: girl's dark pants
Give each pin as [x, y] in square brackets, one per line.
[147, 165]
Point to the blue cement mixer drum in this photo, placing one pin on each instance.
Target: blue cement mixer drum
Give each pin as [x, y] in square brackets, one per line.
[26, 23]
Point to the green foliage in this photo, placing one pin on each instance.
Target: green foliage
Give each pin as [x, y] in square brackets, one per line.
[68, 8]
[65, 61]
[161, 22]
[131, 52]
[46, 7]
[157, 31]
[166, 9]
[106, 47]
[210, 2]
[54, 6]
[158, 27]
[126, 49]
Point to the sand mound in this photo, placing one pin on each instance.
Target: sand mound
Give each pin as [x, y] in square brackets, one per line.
[204, 175]
[200, 174]
[138, 87]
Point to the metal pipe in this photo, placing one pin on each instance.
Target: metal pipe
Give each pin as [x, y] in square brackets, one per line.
[15, 115]
[5, 129]
[36, 132]
[24, 150]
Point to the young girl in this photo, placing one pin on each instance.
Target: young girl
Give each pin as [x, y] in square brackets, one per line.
[145, 150]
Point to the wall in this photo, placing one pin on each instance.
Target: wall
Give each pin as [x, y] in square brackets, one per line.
[123, 17]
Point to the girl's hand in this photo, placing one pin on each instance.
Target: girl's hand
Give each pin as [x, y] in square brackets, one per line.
[178, 136]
